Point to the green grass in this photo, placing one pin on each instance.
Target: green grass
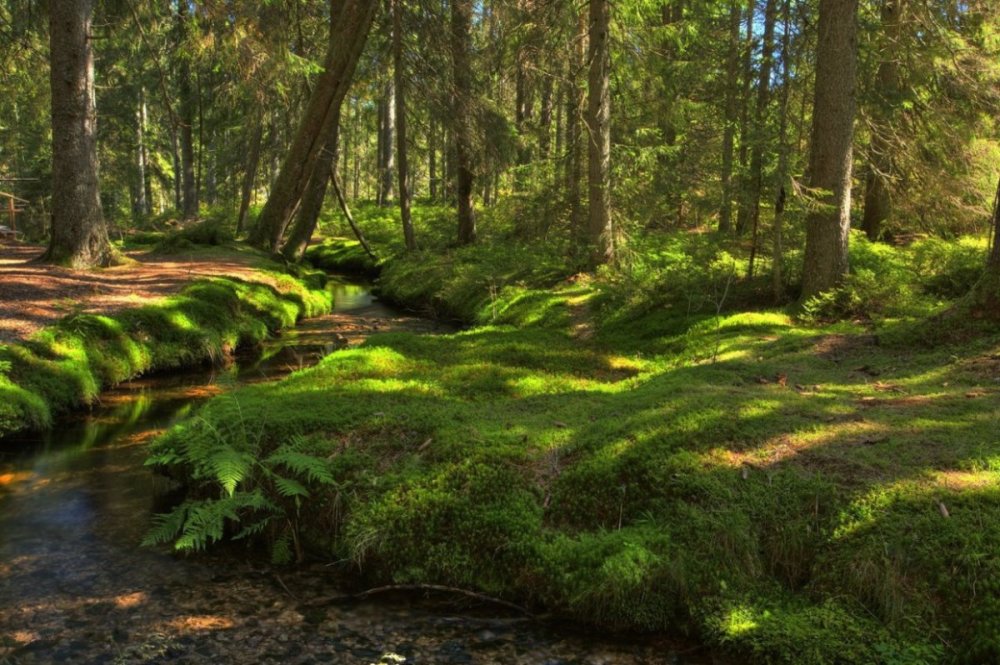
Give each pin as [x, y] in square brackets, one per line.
[821, 493]
[69, 363]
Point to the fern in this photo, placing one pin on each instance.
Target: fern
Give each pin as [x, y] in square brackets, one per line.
[238, 489]
[229, 467]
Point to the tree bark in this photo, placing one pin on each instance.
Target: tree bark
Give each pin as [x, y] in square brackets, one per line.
[187, 108]
[729, 131]
[777, 249]
[250, 172]
[829, 223]
[311, 205]
[402, 167]
[461, 51]
[574, 133]
[742, 213]
[878, 201]
[599, 125]
[142, 186]
[79, 234]
[351, 30]
[760, 127]
[386, 157]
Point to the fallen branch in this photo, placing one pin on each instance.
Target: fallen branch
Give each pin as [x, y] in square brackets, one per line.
[421, 587]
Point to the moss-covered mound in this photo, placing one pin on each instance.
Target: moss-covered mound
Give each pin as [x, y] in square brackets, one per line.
[68, 364]
[637, 452]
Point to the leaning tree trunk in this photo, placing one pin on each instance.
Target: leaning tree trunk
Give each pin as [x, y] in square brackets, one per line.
[79, 234]
[311, 205]
[599, 125]
[829, 223]
[354, 19]
[461, 51]
[402, 163]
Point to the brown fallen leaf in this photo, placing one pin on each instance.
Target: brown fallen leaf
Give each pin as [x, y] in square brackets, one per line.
[560, 424]
[782, 379]
[943, 508]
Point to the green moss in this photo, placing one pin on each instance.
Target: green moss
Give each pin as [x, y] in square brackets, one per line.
[651, 460]
[68, 364]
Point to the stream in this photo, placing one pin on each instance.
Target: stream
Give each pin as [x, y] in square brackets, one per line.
[76, 587]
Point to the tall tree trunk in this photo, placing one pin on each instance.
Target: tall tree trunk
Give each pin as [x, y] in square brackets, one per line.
[352, 23]
[142, 186]
[878, 201]
[432, 175]
[250, 172]
[187, 107]
[461, 52]
[742, 213]
[386, 166]
[777, 249]
[729, 131]
[574, 132]
[402, 163]
[79, 234]
[828, 225]
[545, 119]
[760, 126]
[599, 125]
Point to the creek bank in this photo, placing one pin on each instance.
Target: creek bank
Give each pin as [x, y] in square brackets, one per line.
[67, 364]
[739, 475]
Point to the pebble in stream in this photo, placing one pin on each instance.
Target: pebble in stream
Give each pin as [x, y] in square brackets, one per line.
[76, 588]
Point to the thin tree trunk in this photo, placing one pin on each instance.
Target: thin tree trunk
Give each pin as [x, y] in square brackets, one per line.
[878, 201]
[432, 175]
[352, 24]
[828, 225]
[350, 218]
[387, 122]
[729, 131]
[574, 133]
[760, 127]
[250, 173]
[79, 234]
[599, 126]
[461, 50]
[545, 119]
[742, 213]
[777, 250]
[141, 198]
[402, 167]
[188, 108]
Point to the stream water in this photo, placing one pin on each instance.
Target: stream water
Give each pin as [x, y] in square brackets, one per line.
[76, 587]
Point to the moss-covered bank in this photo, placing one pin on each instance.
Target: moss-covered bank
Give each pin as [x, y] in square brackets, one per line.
[797, 493]
[69, 363]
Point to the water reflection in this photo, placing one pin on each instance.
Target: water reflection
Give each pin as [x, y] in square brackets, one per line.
[76, 500]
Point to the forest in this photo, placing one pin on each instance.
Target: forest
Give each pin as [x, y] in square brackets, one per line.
[507, 331]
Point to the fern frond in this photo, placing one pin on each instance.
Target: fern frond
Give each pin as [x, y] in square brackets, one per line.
[288, 487]
[229, 467]
[314, 469]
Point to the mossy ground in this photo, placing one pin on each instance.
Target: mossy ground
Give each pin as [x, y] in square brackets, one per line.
[68, 364]
[818, 493]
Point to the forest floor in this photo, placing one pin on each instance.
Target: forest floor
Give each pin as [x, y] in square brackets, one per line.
[35, 295]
